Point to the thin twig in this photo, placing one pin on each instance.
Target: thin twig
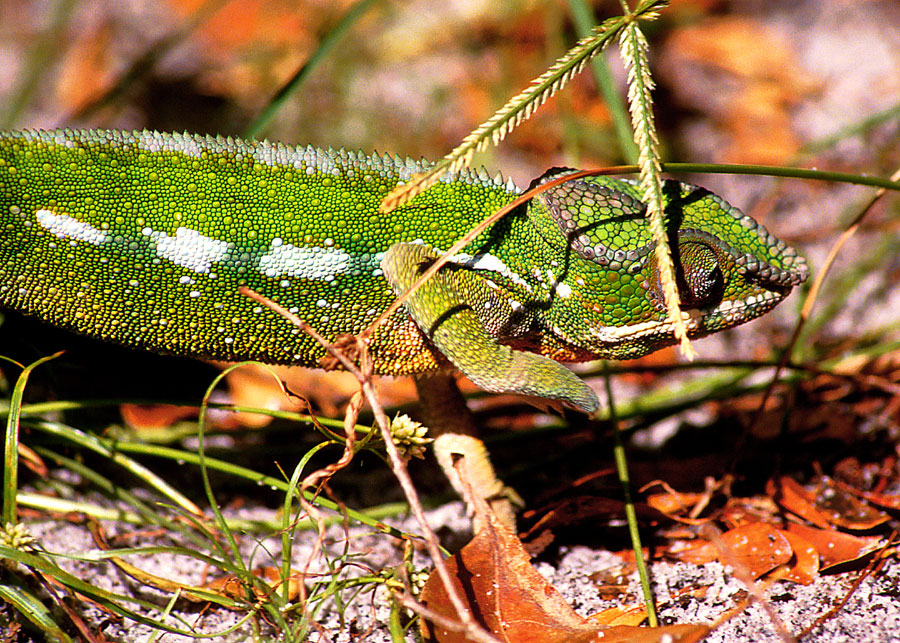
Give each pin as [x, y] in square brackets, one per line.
[363, 375]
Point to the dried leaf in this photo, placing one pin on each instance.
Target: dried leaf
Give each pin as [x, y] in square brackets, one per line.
[30, 459]
[844, 509]
[805, 566]
[759, 547]
[232, 586]
[144, 417]
[791, 495]
[620, 616]
[507, 595]
[676, 504]
[745, 511]
[612, 582]
[885, 500]
[687, 633]
[834, 547]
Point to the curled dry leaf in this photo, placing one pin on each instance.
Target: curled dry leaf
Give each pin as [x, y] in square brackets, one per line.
[233, 587]
[507, 595]
[791, 495]
[804, 567]
[676, 504]
[829, 505]
[144, 417]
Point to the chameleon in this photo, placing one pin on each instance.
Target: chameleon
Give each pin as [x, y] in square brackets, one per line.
[145, 238]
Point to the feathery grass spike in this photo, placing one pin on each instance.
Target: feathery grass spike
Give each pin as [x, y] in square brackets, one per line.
[517, 109]
[640, 101]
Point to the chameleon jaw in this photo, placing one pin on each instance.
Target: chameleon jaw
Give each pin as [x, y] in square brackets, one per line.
[699, 321]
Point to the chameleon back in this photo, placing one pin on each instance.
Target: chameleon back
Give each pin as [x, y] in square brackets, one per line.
[143, 239]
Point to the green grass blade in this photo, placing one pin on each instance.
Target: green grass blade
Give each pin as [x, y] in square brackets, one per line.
[353, 14]
[34, 610]
[109, 600]
[112, 450]
[630, 512]
[46, 46]
[371, 519]
[11, 443]
[583, 19]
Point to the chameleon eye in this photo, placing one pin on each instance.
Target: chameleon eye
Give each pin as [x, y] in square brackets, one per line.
[700, 278]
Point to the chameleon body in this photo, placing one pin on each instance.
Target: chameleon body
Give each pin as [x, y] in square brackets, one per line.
[144, 239]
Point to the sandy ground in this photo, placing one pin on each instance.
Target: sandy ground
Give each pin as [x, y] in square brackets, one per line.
[871, 614]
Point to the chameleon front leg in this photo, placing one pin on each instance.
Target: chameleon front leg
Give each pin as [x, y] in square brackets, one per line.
[444, 309]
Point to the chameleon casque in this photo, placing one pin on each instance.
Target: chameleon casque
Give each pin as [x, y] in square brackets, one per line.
[144, 239]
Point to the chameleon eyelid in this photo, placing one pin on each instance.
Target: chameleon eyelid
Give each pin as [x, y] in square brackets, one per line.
[753, 268]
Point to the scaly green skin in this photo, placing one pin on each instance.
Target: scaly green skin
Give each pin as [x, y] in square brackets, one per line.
[144, 239]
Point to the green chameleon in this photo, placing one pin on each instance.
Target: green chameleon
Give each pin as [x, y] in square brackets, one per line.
[145, 238]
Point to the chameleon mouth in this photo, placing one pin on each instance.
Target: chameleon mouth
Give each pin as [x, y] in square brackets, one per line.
[699, 321]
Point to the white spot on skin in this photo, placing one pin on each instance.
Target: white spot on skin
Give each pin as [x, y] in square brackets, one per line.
[66, 227]
[189, 249]
[489, 263]
[563, 290]
[288, 260]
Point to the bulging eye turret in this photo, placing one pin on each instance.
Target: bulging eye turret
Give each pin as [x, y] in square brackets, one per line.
[701, 281]
[699, 271]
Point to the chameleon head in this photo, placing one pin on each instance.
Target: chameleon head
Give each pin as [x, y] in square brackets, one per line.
[729, 268]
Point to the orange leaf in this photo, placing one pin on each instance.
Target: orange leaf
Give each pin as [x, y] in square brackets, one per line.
[676, 504]
[154, 416]
[508, 597]
[758, 546]
[844, 509]
[886, 500]
[620, 616]
[233, 587]
[805, 567]
[505, 593]
[835, 547]
[788, 493]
